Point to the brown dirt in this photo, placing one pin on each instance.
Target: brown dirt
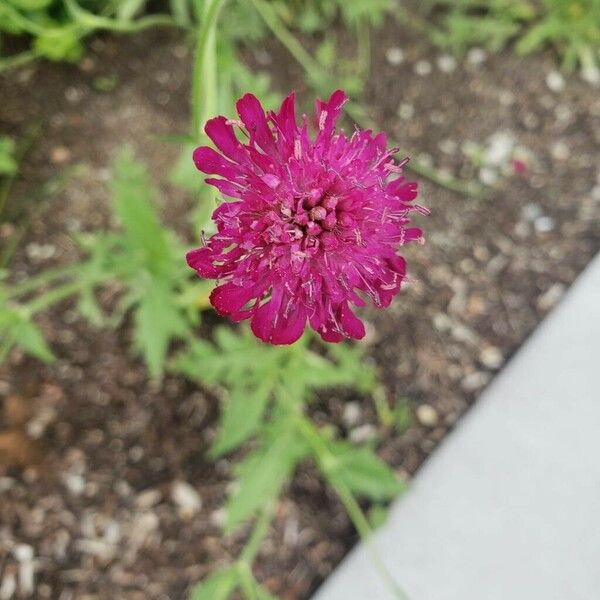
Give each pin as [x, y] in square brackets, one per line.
[91, 436]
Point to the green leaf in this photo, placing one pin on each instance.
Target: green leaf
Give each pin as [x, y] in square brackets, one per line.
[157, 321]
[59, 43]
[364, 472]
[262, 474]
[8, 165]
[184, 174]
[30, 5]
[127, 9]
[216, 586]
[132, 203]
[30, 338]
[241, 415]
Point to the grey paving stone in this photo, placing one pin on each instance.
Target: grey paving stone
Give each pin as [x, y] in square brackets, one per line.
[508, 508]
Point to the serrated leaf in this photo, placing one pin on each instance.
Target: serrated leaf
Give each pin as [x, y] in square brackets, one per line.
[18, 329]
[241, 415]
[216, 586]
[364, 472]
[132, 203]
[157, 321]
[262, 474]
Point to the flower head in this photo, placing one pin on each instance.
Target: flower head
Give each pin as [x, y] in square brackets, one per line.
[315, 225]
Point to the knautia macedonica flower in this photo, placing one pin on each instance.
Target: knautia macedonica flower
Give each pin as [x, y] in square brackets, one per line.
[315, 226]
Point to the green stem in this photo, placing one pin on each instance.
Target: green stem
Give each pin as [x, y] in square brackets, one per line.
[90, 21]
[259, 532]
[18, 60]
[382, 407]
[326, 461]
[363, 39]
[287, 38]
[23, 146]
[54, 295]
[314, 69]
[202, 96]
[36, 281]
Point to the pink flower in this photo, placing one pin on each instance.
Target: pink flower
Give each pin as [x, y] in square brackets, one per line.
[315, 225]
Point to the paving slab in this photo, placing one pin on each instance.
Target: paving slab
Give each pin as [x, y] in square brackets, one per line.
[508, 508]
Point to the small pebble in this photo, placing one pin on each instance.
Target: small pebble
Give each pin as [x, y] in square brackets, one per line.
[423, 68]
[148, 498]
[446, 63]
[491, 357]
[596, 193]
[352, 414]
[394, 56]
[448, 146]
[488, 176]
[59, 155]
[551, 297]
[186, 497]
[555, 82]
[362, 434]
[560, 151]
[427, 415]
[591, 74]
[544, 224]
[506, 98]
[74, 483]
[531, 211]
[474, 381]
[406, 111]
[476, 56]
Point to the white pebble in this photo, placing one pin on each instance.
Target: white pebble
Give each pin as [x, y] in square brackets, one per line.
[531, 211]
[488, 176]
[591, 74]
[555, 82]
[596, 193]
[549, 298]
[148, 498]
[406, 111]
[499, 148]
[427, 415]
[476, 56]
[544, 224]
[186, 497]
[423, 68]
[362, 434]
[560, 151]
[395, 56]
[474, 381]
[448, 146]
[352, 413]
[491, 357]
[74, 483]
[446, 63]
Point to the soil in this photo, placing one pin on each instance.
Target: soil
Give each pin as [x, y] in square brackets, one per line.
[103, 477]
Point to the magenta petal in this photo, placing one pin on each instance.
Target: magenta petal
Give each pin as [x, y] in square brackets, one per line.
[289, 330]
[211, 162]
[230, 298]
[329, 112]
[223, 136]
[225, 187]
[352, 325]
[201, 260]
[253, 116]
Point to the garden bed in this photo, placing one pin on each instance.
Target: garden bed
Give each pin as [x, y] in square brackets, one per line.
[115, 495]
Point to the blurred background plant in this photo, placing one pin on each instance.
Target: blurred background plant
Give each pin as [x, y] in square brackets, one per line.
[571, 27]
